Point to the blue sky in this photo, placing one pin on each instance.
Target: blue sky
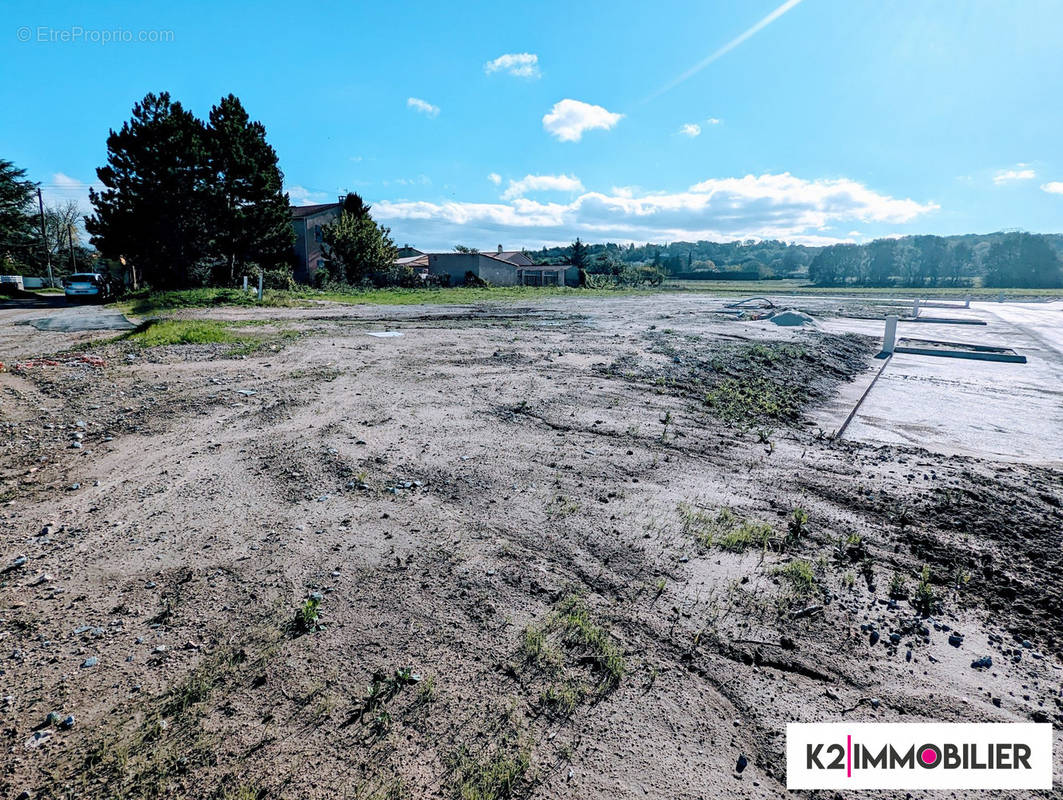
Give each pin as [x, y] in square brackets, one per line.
[529, 123]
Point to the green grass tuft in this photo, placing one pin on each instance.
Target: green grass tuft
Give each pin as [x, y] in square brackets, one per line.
[157, 333]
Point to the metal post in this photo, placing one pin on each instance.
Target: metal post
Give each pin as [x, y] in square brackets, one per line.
[44, 241]
[967, 302]
[260, 286]
[1000, 298]
[915, 308]
[245, 283]
[889, 336]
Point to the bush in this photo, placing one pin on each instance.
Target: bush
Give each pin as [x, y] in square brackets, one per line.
[280, 279]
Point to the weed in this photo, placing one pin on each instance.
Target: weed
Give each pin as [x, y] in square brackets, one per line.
[795, 527]
[427, 693]
[898, 586]
[924, 600]
[801, 577]
[577, 628]
[381, 690]
[307, 619]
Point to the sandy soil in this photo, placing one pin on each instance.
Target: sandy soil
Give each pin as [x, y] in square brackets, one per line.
[521, 508]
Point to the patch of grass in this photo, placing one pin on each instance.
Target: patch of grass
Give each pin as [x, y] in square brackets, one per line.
[156, 333]
[580, 631]
[495, 777]
[801, 577]
[725, 529]
[562, 698]
[754, 397]
[146, 302]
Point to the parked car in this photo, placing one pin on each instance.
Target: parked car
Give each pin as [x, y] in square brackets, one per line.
[87, 286]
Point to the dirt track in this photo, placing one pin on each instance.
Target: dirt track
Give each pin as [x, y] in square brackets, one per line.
[448, 492]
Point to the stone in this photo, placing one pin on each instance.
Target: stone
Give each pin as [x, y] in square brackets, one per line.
[67, 723]
[90, 662]
[742, 763]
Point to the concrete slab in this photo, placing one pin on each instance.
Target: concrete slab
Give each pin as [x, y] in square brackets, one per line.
[1006, 411]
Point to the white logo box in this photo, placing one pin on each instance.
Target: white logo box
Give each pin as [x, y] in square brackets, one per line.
[883, 755]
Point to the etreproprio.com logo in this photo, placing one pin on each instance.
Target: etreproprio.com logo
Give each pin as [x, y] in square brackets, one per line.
[918, 756]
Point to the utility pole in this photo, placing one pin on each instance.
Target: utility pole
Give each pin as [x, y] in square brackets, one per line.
[70, 237]
[44, 240]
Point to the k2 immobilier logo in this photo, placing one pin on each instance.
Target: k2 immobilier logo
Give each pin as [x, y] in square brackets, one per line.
[918, 756]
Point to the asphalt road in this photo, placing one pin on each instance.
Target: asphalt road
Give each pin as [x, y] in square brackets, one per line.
[28, 324]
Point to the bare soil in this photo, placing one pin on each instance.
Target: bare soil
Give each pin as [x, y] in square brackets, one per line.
[510, 521]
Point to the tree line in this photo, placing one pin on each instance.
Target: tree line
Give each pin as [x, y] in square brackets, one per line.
[1003, 259]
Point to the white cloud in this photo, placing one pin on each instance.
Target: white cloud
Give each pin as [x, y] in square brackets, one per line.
[691, 129]
[1052, 187]
[422, 106]
[568, 119]
[301, 196]
[1020, 173]
[542, 183]
[522, 65]
[761, 207]
[495, 178]
[713, 121]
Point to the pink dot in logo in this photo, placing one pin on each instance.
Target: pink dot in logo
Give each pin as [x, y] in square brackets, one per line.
[927, 755]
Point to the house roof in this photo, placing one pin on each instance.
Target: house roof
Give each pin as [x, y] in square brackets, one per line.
[514, 258]
[413, 261]
[299, 212]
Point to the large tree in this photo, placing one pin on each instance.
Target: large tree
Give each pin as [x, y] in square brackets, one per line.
[151, 210]
[17, 235]
[250, 217]
[356, 245]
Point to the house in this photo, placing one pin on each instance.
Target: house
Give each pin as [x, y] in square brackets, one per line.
[308, 221]
[500, 268]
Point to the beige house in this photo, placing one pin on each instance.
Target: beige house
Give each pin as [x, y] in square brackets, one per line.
[308, 222]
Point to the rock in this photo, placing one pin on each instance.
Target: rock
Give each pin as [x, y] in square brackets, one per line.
[20, 561]
[75, 446]
[982, 663]
[52, 718]
[743, 762]
[90, 662]
[895, 638]
[67, 723]
[873, 639]
[955, 639]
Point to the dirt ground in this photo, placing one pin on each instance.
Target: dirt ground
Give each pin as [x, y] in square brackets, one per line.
[588, 549]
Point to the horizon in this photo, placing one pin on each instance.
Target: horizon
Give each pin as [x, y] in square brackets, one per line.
[457, 134]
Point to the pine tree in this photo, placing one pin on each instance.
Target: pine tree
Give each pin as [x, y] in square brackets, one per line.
[578, 257]
[250, 217]
[354, 205]
[151, 210]
[17, 235]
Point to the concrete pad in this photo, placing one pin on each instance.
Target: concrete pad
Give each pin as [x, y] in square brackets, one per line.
[998, 410]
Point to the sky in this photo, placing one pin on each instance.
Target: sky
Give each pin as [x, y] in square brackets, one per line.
[528, 124]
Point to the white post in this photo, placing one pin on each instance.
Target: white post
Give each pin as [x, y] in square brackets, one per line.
[967, 302]
[889, 336]
[915, 308]
[260, 286]
[245, 283]
[1000, 298]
